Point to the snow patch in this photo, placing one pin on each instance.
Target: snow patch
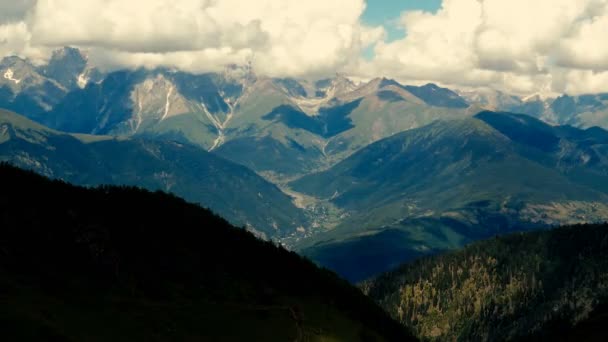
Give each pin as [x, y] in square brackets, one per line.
[167, 103]
[311, 106]
[82, 80]
[218, 125]
[8, 74]
[138, 115]
[139, 112]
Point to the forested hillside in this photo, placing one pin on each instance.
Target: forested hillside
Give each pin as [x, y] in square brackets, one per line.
[550, 284]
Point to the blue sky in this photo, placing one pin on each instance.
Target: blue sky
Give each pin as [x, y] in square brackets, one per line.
[384, 12]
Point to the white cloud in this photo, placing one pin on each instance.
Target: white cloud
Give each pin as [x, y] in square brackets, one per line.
[521, 46]
[138, 26]
[212, 59]
[434, 42]
[584, 46]
[14, 10]
[576, 81]
[14, 40]
[282, 37]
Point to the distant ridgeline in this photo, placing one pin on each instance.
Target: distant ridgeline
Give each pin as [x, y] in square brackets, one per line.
[549, 285]
[124, 264]
[444, 185]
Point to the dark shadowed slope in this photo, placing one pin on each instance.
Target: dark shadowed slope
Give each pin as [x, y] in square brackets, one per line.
[124, 264]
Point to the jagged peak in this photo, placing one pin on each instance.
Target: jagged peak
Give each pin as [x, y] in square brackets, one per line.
[66, 52]
[384, 82]
[14, 61]
[19, 73]
[342, 78]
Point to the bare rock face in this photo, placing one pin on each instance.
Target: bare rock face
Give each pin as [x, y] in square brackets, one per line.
[25, 89]
[154, 100]
[18, 74]
[68, 67]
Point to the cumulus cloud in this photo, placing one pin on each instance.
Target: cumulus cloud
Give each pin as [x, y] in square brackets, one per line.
[135, 26]
[14, 10]
[520, 46]
[583, 47]
[15, 40]
[281, 37]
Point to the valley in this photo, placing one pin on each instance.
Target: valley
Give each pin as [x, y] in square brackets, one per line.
[360, 178]
[303, 171]
[201, 177]
[343, 167]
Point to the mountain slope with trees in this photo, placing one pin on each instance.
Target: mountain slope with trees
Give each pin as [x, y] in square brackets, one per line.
[549, 285]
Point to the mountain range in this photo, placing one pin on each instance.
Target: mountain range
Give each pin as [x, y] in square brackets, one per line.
[34, 90]
[277, 127]
[451, 182]
[383, 183]
[582, 111]
[360, 176]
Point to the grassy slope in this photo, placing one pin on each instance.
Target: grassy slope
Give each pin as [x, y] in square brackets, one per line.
[446, 184]
[378, 118]
[192, 128]
[342, 127]
[264, 145]
[128, 265]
